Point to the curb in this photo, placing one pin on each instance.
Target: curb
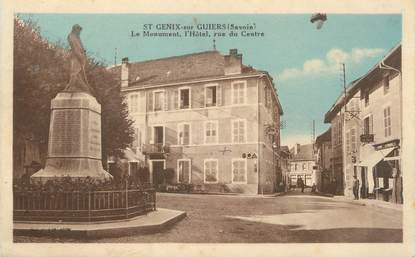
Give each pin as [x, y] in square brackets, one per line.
[88, 233]
[397, 207]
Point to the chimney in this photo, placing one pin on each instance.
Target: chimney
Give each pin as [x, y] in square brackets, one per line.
[124, 72]
[233, 62]
[297, 148]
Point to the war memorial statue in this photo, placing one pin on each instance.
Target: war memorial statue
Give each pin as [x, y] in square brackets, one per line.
[74, 146]
[77, 80]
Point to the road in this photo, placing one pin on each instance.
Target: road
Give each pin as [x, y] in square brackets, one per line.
[291, 218]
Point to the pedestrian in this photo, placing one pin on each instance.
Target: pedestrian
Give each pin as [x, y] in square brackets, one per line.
[333, 186]
[313, 188]
[356, 184]
[302, 186]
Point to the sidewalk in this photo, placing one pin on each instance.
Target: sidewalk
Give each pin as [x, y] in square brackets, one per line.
[151, 222]
[370, 202]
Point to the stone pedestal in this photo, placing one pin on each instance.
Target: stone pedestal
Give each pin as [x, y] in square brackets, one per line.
[74, 147]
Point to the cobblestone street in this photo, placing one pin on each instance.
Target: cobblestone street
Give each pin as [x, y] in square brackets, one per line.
[254, 219]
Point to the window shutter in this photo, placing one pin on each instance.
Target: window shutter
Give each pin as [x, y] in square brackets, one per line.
[166, 100]
[219, 95]
[186, 134]
[150, 135]
[176, 99]
[150, 101]
[202, 99]
[371, 124]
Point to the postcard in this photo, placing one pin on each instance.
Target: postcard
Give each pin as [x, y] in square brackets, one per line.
[261, 128]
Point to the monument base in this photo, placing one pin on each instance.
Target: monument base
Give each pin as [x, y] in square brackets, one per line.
[76, 168]
[74, 147]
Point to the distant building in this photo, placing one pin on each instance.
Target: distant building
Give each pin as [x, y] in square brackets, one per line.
[303, 164]
[285, 156]
[208, 118]
[366, 127]
[345, 130]
[323, 161]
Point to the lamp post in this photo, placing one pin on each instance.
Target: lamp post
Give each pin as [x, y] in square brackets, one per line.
[274, 146]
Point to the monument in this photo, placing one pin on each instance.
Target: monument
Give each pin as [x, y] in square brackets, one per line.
[74, 146]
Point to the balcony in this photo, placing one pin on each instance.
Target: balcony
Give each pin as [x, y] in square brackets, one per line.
[158, 148]
[367, 138]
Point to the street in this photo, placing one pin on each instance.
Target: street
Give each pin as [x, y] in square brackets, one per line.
[292, 218]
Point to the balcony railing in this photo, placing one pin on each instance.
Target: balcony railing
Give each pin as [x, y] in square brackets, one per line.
[82, 205]
[367, 138]
[155, 149]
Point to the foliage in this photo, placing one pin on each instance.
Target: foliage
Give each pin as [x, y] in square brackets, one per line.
[41, 70]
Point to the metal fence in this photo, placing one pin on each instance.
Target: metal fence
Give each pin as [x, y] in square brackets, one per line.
[82, 205]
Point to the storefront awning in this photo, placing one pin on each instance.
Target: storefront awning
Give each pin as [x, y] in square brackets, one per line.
[374, 157]
[393, 158]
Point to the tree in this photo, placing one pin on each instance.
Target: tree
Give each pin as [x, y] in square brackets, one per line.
[40, 71]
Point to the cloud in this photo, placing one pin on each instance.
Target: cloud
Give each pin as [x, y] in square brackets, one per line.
[329, 65]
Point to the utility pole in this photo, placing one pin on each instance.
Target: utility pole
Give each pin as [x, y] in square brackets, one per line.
[344, 154]
[115, 56]
[313, 132]
[344, 86]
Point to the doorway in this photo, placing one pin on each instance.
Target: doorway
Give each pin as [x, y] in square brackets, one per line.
[157, 172]
[364, 190]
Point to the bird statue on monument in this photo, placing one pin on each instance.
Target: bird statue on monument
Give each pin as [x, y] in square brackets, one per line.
[77, 80]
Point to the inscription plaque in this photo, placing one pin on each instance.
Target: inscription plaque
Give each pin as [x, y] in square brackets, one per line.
[65, 134]
[74, 138]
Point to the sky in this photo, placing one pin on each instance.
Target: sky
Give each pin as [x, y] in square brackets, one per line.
[305, 62]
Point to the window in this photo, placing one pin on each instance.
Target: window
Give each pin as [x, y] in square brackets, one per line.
[184, 98]
[238, 92]
[158, 135]
[268, 99]
[238, 131]
[183, 171]
[353, 105]
[137, 138]
[366, 96]
[387, 121]
[367, 125]
[211, 171]
[239, 171]
[385, 85]
[212, 95]
[295, 166]
[159, 100]
[183, 134]
[211, 132]
[133, 103]
[304, 166]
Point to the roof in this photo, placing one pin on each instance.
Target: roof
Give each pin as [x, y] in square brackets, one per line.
[306, 153]
[178, 68]
[183, 68]
[284, 148]
[336, 107]
[284, 151]
[324, 137]
[392, 58]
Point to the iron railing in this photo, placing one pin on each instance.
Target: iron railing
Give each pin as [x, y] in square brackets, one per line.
[82, 205]
[155, 148]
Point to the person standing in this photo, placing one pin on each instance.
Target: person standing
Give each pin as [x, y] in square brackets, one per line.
[356, 184]
[301, 184]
